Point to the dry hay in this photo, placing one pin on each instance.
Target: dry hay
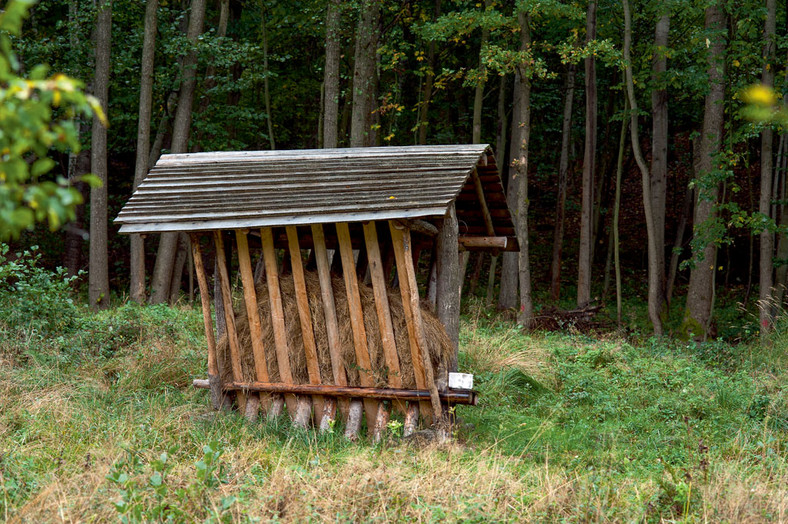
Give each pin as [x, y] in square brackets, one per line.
[439, 346]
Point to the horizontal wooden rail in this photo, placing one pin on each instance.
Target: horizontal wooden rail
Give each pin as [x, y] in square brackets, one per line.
[470, 243]
[454, 396]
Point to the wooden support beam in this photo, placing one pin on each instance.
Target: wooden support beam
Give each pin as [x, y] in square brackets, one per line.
[447, 269]
[330, 311]
[356, 319]
[205, 299]
[304, 315]
[229, 318]
[277, 315]
[411, 304]
[468, 243]
[449, 396]
[477, 184]
[252, 311]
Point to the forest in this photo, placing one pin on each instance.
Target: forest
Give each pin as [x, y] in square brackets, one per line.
[630, 362]
[648, 134]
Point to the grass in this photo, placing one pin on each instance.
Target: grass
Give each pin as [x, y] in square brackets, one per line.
[98, 422]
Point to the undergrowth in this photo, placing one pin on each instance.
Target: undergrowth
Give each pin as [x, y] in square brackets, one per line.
[98, 422]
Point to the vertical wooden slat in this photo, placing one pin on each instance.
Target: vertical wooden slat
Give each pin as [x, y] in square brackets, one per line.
[410, 300]
[357, 319]
[302, 301]
[252, 311]
[384, 318]
[229, 318]
[330, 311]
[277, 315]
[214, 379]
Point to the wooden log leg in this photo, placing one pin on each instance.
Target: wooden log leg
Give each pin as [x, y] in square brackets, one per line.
[277, 406]
[252, 410]
[381, 421]
[411, 419]
[303, 412]
[353, 422]
[329, 415]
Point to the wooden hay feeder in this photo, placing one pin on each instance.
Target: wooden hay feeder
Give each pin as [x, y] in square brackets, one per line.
[361, 215]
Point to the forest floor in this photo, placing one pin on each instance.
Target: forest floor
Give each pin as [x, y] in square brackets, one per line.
[99, 422]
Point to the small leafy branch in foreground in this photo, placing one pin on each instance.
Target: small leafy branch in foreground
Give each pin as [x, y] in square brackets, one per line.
[36, 115]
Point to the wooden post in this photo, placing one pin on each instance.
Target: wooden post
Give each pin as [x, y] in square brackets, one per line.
[447, 303]
[214, 378]
[302, 301]
[411, 419]
[332, 326]
[252, 311]
[356, 319]
[411, 304]
[277, 315]
[229, 318]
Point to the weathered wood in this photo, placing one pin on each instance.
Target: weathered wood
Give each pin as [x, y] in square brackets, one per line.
[382, 305]
[205, 299]
[252, 411]
[483, 243]
[302, 301]
[329, 308]
[303, 413]
[381, 421]
[411, 419]
[329, 414]
[450, 396]
[353, 421]
[447, 299]
[277, 314]
[477, 184]
[229, 318]
[356, 318]
[252, 312]
[400, 239]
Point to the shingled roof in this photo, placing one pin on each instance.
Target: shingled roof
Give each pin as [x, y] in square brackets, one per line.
[246, 189]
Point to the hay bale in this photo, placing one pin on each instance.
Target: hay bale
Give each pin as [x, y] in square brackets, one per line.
[438, 343]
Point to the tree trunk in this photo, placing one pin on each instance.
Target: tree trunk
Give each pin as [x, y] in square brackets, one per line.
[589, 160]
[447, 304]
[98, 271]
[563, 172]
[331, 75]
[507, 298]
[659, 148]
[478, 94]
[428, 83]
[137, 263]
[168, 245]
[526, 314]
[364, 74]
[616, 213]
[766, 293]
[266, 74]
[698, 316]
[654, 253]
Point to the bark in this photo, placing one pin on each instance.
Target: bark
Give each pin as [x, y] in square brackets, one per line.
[137, 262]
[98, 271]
[526, 313]
[616, 213]
[331, 75]
[507, 298]
[500, 160]
[168, 245]
[766, 287]
[478, 94]
[266, 91]
[698, 316]
[659, 147]
[162, 129]
[589, 168]
[654, 252]
[364, 75]
[563, 178]
[428, 83]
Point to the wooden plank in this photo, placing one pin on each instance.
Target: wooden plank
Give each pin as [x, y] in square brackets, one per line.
[329, 310]
[252, 310]
[382, 305]
[302, 301]
[229, 318]
[277, 315]
[410, 300]
[450, 396]
[205, 299]
[356, 319]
